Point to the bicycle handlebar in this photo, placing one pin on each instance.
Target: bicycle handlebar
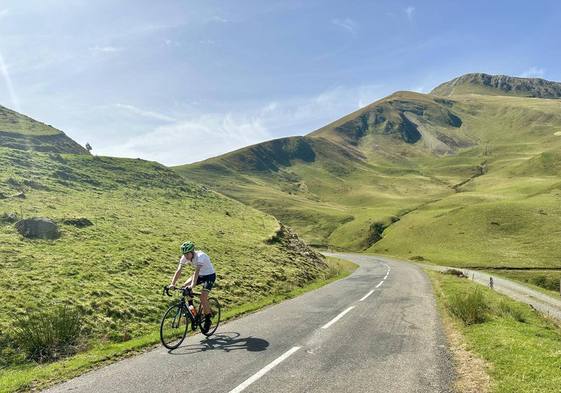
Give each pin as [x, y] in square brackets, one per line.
[186, 291]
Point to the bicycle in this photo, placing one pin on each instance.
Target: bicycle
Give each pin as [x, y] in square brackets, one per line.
[176, 319]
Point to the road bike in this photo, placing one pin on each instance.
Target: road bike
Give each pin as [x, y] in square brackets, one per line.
[177, 318]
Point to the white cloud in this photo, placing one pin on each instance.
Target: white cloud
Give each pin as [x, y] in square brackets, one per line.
[105, 49]
[144, 113]
[172, 43]
[195, 138]
[347, 24]
[410, 12]
[217, 19]
[533, 72]
[420, 89]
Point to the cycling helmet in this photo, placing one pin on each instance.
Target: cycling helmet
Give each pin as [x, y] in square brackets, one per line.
[187, 247]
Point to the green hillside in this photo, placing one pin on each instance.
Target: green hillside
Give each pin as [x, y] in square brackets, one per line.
[18, 131]
[113, 271]
[466, 179]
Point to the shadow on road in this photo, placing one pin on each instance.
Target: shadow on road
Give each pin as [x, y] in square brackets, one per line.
[228, 341]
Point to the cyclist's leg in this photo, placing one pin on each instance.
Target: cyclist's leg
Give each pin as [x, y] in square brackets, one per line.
[208, 283]
[204, 301]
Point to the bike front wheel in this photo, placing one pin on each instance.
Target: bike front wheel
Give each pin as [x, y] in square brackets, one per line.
[173, 327]
[214, 319]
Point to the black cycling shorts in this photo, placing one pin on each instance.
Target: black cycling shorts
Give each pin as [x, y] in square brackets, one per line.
[207, 281]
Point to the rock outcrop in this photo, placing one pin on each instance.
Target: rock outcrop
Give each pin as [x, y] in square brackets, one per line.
[38, 228]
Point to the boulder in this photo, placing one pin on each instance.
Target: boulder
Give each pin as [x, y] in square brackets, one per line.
[38, 228]
[78, 222]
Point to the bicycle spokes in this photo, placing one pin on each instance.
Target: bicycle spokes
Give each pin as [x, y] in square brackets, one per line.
[173, 327]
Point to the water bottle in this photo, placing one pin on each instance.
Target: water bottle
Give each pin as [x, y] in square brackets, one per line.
[192, 310]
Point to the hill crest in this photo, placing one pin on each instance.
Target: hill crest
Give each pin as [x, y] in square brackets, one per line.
[21, 132]
[480, 83]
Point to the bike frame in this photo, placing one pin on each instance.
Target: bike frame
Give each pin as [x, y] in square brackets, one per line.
[184, 307]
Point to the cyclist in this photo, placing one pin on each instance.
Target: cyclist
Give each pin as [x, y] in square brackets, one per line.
[204, 274]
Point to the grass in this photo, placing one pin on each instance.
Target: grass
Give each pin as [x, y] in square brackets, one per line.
[509, 216]
[21, 132]
[112, 272]
[35, 376]
[13, 122]
[522, 348]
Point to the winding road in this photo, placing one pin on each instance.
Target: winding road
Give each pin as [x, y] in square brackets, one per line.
[375, 331]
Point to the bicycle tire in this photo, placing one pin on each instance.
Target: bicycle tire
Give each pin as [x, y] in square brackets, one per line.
[172, 336]
[215, 320]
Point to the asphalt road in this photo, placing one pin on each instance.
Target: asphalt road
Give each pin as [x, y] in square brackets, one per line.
[375, 331]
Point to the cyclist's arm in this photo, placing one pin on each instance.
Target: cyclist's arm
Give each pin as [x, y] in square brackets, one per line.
[176, 275]
[195, 277]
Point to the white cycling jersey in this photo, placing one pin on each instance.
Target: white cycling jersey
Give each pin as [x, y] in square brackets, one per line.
[200, 259]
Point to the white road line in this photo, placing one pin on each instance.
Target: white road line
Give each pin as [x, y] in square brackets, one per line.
[337, 318]
[365, 296]
[264, 370]
[380, 283]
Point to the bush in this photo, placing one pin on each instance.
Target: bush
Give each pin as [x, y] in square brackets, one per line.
[469, 309]
[455, 272]
[507, 310]
[333, 270]
[550, 283]
[540, 281]
[49, 334]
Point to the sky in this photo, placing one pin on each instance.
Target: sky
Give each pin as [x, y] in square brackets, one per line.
[181, 81]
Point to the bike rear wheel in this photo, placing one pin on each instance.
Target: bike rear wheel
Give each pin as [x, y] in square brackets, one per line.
[214, 319]
[173, 327]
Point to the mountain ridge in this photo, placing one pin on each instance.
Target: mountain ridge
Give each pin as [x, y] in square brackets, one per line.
[481, 83]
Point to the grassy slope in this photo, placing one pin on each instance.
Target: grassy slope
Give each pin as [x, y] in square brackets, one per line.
[24, 133]
[114, 270]
[508, 217]
[523, 356]
[11, 121]
[335, 198]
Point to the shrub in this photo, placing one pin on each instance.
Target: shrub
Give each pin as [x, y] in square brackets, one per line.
[540, 281]
[49, 334]
[455, 272]
[333, 270]
[469, 309]
[550, 283]
[507, 310]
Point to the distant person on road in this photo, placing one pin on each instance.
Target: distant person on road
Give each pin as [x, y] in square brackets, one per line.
[204, 274]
